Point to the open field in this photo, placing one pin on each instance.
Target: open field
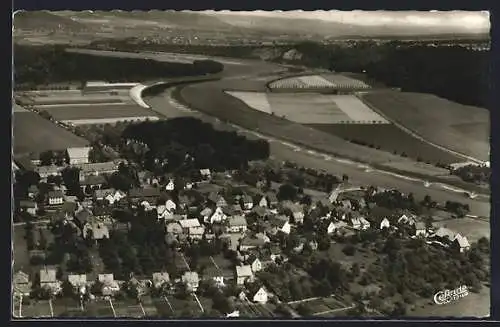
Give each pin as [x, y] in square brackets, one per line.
[32, 133]
[39, 309]
[54, 97]
[311, 108]
[464, 129]
[184, 308]
[390, 138]
[322, 307]
[149, 306]
[128, 308]
[66, 306]
[98, 111]
[326, 81]
[99, 309]
[473, 229]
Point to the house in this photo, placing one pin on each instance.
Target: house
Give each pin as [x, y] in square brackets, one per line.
[346, 204]
[261, 296]
[243, 274]
[365, 224]
[331, 228]
[385, 223]
[196, 232]
[272, 200]
[192, 280]
[55, 197]
[445, 233]
[355, 223]
[97, 168]
[262, 202]
[30, 207]
[461, 243]
[205, 174]
[163, 213]
[170, 205]
[48, 280]
[78, 155]
[174, 228]
[115, 196]
[92, 182]
[221, 202]
[95, 230]
[334, 195]
[46, 171]
[246, 202]
[160, 279]
[255, 264]
[215, 274]
[404, 219]
[218, 216]
[170, 185]
[251, 242]
[186, 224]
[149, 194]
[109, 285]
[298, 215]
[21, 284]
[237, 224]
[78, 282]
[420, 229]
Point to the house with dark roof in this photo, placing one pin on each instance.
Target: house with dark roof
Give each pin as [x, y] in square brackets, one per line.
[246, 202]
[237, 224]
[149, 194]
[272, 200]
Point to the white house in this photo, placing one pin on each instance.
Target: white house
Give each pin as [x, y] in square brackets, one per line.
[78, 155]
[48, 280]
[55, 197]
[163, 213]
[263, 202]
[186, 224]
[160, 279]
[205, 173]
[355, 223]
[206, 214]
[256, 265]
[237, 224]
[170, 185]
[196, 232]
[404, 219]
[420, 229]
[243, 274]
[462, 243]
[77, 281]
[170, 205]
[115, 196]
[21, 284]
[285, 228]
[385, 223]
[247, 202]
[261, 296]
[147, 206]
[192, 280]
[332, 227]
[365, 224]
[218, 216]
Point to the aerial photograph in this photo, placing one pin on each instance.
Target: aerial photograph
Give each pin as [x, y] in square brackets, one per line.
[250, 165]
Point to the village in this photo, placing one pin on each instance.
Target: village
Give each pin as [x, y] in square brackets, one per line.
[213, 245]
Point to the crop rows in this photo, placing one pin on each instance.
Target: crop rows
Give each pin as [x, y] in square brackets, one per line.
[318, 82]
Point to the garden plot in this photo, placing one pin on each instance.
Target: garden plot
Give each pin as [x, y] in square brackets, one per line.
[149, 306]
[75, 114]
[255, 100]
[36, 309]
[100, 309]
[67, 307]
[324, 81]
[344, 82]
[128, 308]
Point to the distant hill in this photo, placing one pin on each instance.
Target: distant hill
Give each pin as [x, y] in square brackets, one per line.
[44, 20]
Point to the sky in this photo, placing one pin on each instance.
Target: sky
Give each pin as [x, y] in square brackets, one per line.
[473, 21]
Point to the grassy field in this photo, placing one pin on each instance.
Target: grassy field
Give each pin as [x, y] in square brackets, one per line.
[21, 255]
[465, 129]
[323, 307]
[128, 308]
[98, 111]
[389, 138]
[72, 97]
[473, 229]
[99, 309]
[34, 309]
[66, 306]
[32, 133]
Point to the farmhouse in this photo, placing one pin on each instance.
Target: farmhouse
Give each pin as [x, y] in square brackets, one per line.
[243, 274]
[404, 219]
[445, 234]
[420, 229]
[237, 224]
[186, 224]
[46, 171]
[163, 213]
[196, 232]
[97, 168]
[21, 284]
[254, 263]
[78, 155]
[247, 202]
[249, 242]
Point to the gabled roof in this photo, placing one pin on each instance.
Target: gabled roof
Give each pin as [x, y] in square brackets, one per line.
[462, 241]
[244, 271]
[445, 232]
[189, 223]
[77, 280]
[247, 199]
[237, 221]
[106, 279]
[20, 277]
[80, 152]
[48, 275]
[144, 192]
[97, 166]
[55, 194]
[190, 277]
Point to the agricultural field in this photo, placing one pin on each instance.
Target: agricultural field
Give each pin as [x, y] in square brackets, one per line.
[323, 81]
[21, 255]
[67, 307]
[72, 97]
[75, 114]
[473, 228]
[465, 129]
[99, 309]
[321, 307]
[36, 308]
[128, 308]
[255, 310]
[311, 108]
[390, 138]
[32, 133]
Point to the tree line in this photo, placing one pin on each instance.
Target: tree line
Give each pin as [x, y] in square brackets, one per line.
[40, 65]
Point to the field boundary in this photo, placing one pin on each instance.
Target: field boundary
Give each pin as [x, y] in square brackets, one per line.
[379, 166]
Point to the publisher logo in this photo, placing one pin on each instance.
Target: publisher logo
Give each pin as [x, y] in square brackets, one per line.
[447, 296]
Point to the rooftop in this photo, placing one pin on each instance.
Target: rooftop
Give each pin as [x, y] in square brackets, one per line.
[82, 152]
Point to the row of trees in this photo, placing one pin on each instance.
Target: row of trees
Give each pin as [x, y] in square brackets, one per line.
[53, 64]
[474, 174]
